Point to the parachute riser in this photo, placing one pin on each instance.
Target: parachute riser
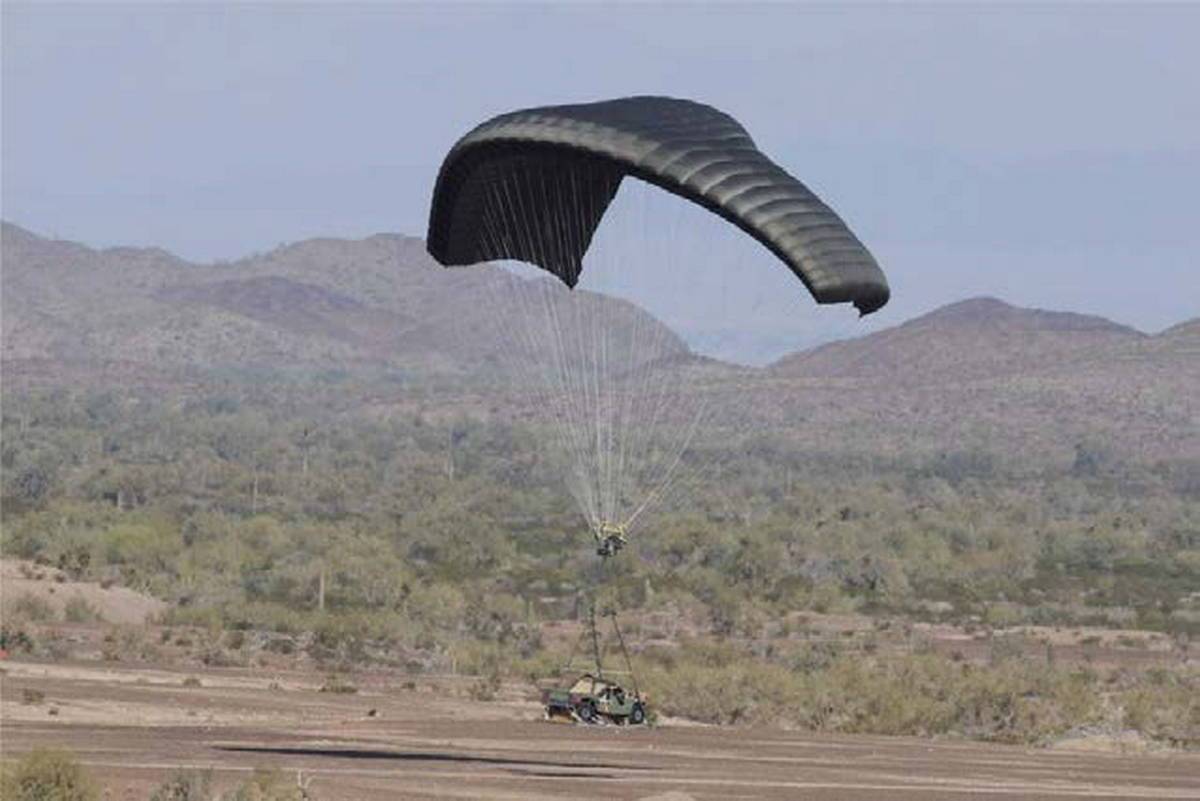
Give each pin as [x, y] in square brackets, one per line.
[591, 634]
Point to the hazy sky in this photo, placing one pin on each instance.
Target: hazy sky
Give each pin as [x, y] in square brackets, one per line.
[1048, 155]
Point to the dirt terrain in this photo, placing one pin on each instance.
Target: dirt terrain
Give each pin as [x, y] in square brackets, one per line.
[131, 726]
[111, 604]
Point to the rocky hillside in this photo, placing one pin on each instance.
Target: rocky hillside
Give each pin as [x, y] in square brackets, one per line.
[971, 339]
[380, 303]
[976, 377]
[985, 377]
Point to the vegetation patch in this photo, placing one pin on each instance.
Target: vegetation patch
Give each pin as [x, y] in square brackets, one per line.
[338, 685]
[46, 775]
[301, 531]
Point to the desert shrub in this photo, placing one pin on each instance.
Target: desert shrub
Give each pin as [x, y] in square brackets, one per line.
[214, 651]
[78, 610]
[1002, 615]
[15, 639]
[337, 684]
[140, 543]
[754, 692]
[46, 775]
[1164, 707]
[343, 641]
[473, 658]
[74, 560]
[32, 697]
[828, 598]
[486, 687]
[268, 785]
[1007, 648]
[54, 644]
[440, 606]
[184, 785]
[201, 616]
[919, 694]
[811, 657]
[538, 667]
[283, 645]
[128, 643]
[33, 608]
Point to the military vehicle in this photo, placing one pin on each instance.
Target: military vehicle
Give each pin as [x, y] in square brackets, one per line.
[595, 700]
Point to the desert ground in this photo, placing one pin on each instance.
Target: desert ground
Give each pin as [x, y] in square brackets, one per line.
[133, 725]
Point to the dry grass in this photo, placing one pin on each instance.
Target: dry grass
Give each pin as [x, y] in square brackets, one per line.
[46, 775]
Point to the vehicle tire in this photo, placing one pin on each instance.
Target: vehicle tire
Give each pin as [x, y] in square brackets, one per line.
[637, 715]
[587, 712]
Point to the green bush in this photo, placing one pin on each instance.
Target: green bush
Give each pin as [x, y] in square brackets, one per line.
[79, 610]
[434, 572]
[33, 608]
[46, 775]
[184, 785]
[129, 643]
[337, 684]
[1164, 708]
[922, 694]
[268, 785]
[485, 688]
[15, 639]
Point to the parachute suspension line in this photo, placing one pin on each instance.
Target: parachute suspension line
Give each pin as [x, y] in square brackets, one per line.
[612, 613]
[583, 328]
[623, 409]
[589, 345]
[595, 640]
[600, 386]
[575, 364]
[566, 382]
[522, 339]
[573, 391]
[576, 346]
[614, 402]
[609, 406]
[592, 630]
[608, 381]
[663, 485]
[647, 396]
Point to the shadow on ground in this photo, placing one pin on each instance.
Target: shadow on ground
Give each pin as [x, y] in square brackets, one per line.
[434, 756]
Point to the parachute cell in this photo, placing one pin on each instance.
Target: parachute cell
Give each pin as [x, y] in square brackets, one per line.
[533, 186]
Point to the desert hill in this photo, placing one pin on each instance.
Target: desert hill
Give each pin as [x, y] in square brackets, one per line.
[971, 339]
[380, 303]
[980, 376]
[984, 377]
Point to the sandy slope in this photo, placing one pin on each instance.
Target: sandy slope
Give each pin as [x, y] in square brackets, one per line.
[113, 604]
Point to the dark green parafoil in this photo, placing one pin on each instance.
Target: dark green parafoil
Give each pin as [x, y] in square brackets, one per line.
[533, 186]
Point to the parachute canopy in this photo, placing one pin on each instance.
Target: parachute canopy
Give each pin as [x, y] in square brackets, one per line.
[533, 186]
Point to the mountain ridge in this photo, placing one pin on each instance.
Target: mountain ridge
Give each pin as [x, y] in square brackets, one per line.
[972, 339]
[976, 375]
[350, 271]
[378, 302]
